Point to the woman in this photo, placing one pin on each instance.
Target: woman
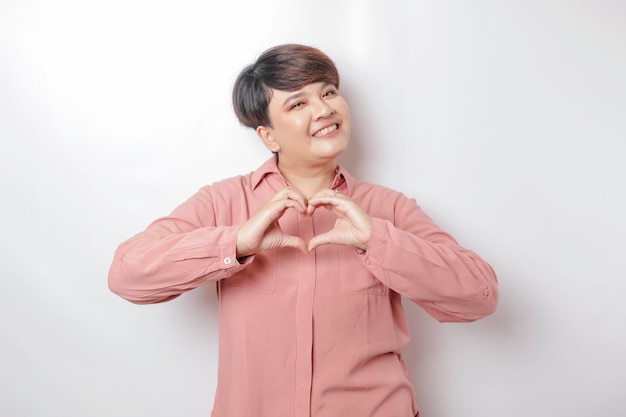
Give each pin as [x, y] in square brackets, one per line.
[310, 263]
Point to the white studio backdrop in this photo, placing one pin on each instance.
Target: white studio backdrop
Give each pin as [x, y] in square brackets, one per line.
[506, 120]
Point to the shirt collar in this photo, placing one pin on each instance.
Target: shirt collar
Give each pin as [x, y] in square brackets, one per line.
[270, 167]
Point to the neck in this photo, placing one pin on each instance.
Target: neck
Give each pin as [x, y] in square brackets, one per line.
[309, 180]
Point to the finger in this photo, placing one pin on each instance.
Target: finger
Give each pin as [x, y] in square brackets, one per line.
[330, 195]
[299, 205]
[290, 194]
[267, 216]
[338, 205]
[295, 242]
[327, 192]
[319, 240]
[276, 209]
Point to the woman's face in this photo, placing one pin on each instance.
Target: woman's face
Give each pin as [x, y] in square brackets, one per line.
[309, 125]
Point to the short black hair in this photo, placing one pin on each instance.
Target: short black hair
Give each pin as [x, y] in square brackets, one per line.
[286, 67]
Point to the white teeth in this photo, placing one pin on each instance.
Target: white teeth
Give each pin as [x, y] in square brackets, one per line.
[325, 131]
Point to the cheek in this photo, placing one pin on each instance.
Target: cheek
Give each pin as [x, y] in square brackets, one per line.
[296, 126]
[290, 126]
[343, 108]
[299, 122]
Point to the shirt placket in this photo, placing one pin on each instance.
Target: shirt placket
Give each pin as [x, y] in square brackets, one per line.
[304, 324]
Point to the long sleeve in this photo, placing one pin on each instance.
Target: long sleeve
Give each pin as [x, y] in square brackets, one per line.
[415, 258]
[175, 254]
[316, 333]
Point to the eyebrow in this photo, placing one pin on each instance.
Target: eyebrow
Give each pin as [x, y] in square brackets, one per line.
[300, 94]
[293, 97]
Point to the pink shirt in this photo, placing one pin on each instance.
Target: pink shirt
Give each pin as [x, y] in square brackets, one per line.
[318, 334]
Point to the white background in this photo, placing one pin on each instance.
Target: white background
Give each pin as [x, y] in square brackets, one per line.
[506, 120]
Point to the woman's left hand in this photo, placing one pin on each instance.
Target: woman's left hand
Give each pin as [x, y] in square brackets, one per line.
[353, 226]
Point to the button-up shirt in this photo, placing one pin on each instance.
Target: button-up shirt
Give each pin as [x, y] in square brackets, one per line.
[318, 334]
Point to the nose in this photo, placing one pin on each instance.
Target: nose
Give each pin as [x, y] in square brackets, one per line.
[323, 109]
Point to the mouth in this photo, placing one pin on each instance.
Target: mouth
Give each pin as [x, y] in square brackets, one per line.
[326, 130]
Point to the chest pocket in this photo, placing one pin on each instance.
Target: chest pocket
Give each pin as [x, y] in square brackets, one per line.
[259, 275]
[354, 278]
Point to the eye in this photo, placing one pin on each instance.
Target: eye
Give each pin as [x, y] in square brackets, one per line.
[329, 93]
[296, 105]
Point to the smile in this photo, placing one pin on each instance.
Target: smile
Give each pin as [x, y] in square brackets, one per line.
[326, 130]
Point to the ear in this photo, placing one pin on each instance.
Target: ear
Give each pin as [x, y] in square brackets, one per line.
[267, 136]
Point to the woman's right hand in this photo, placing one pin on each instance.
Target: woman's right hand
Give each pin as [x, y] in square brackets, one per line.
[261, 232]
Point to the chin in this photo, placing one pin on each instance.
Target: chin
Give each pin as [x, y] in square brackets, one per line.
[332, 154]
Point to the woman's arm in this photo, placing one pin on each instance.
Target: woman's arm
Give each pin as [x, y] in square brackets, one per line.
[401, 246]
[417, 259]
[175, 254]
[191, 247]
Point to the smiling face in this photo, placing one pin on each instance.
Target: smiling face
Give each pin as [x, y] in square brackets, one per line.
[309, 126]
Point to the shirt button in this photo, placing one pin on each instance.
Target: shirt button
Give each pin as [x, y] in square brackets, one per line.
[486, 292]
[367, 261]
[227, 261]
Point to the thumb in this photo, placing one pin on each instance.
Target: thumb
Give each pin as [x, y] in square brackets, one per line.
[294, 242]
[319, 240]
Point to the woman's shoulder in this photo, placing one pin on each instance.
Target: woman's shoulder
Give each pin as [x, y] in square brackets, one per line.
[378, 191]
[227, 187]
[242, 182]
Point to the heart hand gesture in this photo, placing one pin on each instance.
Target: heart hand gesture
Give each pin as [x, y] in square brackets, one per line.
[353, 226]
[261, 232]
